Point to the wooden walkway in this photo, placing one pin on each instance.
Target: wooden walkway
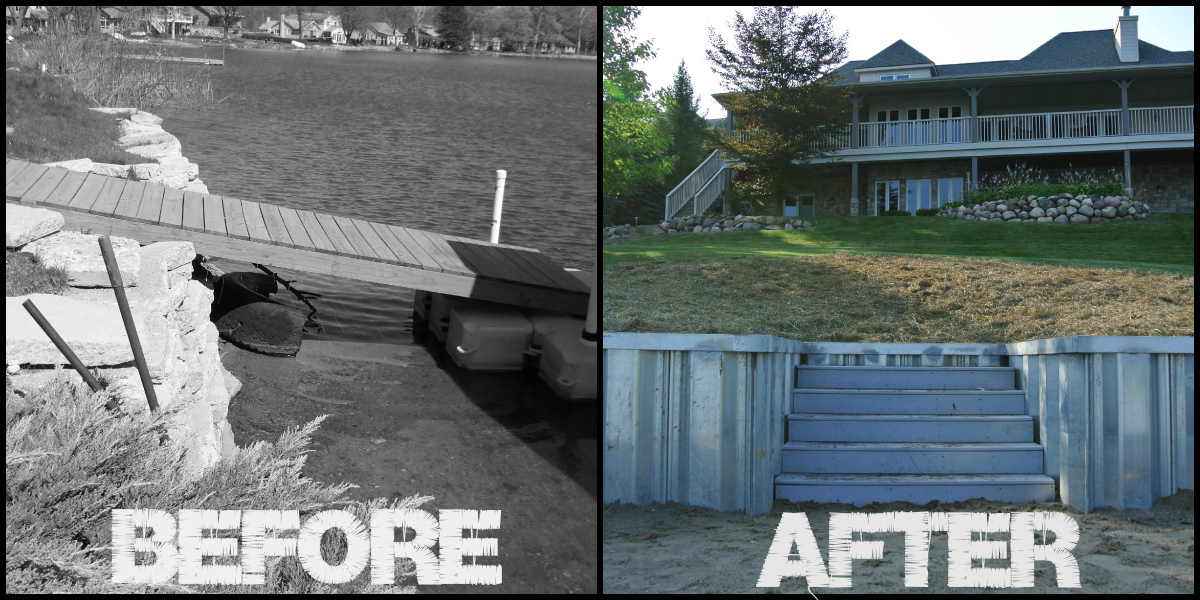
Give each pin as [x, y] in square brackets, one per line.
[298, 239]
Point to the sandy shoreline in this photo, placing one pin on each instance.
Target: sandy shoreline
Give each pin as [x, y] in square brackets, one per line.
[674, 548]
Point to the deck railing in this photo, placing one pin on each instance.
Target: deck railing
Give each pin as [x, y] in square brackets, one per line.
[1044, 126]
[693, 183]
[914, 133]
[1168, 119]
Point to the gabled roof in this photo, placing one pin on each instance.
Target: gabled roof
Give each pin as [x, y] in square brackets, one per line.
[1068, 50]
[381, 28]
[898, 54]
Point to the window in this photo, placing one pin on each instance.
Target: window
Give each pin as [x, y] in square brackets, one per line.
[887, 195]
[917, 195]
[950, 132]
[791, 208]
[807, 204]
[950, 190]
[892, 77]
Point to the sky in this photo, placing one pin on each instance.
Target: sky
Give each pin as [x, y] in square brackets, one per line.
[996, 33]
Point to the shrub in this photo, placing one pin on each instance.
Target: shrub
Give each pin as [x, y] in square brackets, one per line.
[1022, 180]
[895, 213]
[25, 274]
[927, 212]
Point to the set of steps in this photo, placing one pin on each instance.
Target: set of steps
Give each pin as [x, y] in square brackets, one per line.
[859, 435]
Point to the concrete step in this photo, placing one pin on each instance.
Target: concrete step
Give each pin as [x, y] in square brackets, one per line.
[909, 402]
[860, 490]
[812, 427]
[907, 378]
[911, 458]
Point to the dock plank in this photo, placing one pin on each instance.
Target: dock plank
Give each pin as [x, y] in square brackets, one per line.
[66, 190]
[235, 221]
[355, 238]
[275, 226]
[172, 209]
[484, 265]
[402, 254]
[13, 168]
[374, 241]
[405, 236]
[316, 233]
[452, 257]
[41, 190]
[558, 278]
[86, 196]
[131, 197]
[341, 245]
[568, 281]
[214, 214]
[517, 259]
[256, 228]
[437, 254]
[193, 211]
[110, 194]
[295, 228]
[23, 181]
[150, 208]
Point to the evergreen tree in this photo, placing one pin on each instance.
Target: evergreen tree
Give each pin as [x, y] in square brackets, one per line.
[778, 76]
[687, 128]
[454, 27]
[634, 145]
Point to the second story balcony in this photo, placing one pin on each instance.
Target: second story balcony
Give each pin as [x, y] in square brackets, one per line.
[1013, 130]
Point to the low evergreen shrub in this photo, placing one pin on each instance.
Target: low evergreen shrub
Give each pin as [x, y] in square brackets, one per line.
[895, 213]
[927, 212]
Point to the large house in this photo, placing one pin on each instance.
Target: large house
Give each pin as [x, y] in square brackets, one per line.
[922, 133]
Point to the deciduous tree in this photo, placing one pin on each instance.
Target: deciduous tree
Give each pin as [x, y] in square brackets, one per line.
[634, 147]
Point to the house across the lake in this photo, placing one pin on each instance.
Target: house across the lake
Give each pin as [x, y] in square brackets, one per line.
[921, 133]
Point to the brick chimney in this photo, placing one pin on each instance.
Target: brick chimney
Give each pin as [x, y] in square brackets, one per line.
[1127, 36]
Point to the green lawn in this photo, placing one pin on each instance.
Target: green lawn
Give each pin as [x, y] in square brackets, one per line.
[1163, 242]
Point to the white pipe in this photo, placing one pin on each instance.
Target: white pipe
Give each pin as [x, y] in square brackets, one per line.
[588, 335]
[500, 175]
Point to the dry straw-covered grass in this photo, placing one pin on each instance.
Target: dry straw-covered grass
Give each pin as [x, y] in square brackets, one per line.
[847, 297]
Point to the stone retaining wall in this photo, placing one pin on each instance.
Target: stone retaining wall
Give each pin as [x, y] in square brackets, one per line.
[708, 224]
[1061, 208]
[142, 134]
[171, 312]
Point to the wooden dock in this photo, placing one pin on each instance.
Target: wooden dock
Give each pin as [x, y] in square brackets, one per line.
[216, 62]
[296, 239]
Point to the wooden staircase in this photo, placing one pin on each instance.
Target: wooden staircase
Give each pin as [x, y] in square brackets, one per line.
[878, 434]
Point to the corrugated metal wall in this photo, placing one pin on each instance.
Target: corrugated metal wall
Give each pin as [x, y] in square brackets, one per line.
[699, 419]
[1116, 419]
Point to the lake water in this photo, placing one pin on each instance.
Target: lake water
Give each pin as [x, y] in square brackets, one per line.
[410, 139]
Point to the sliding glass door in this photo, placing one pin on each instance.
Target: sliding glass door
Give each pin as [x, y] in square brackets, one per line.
[917, 195]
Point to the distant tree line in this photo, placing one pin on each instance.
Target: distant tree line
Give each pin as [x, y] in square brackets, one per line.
[526, 24]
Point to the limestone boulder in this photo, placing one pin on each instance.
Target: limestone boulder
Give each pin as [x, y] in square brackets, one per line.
[83, 165]
[117, 112]
[94, 332]
[79, 254]
[24, 224]
[156, 151]
[142, 117]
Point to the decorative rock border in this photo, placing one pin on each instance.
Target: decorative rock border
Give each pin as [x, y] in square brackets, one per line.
[708, 224]
[171, 310]
[142, 134]
[1061, 208]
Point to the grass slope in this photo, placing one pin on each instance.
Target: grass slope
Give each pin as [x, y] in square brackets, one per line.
[51, 123]
[1164, 242]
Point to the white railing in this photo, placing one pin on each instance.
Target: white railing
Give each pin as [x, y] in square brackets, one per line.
[692, 184]
[1169, 119]
[711, 191]
[1045, 126]
[914, 133]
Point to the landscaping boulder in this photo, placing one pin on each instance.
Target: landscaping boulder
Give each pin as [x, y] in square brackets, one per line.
[79, 254]
[83, 165]
[94, 332]
[1086, 210]
[1078, 219]
[24, 224]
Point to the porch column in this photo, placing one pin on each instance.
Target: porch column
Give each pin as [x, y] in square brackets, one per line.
[855, 100]
[974, 173]
[1124, 85]
[1128, 176]
[854, 188]
[727, 195]
[974, 93]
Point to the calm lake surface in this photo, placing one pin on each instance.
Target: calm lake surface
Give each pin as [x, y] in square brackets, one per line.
[410, 139]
